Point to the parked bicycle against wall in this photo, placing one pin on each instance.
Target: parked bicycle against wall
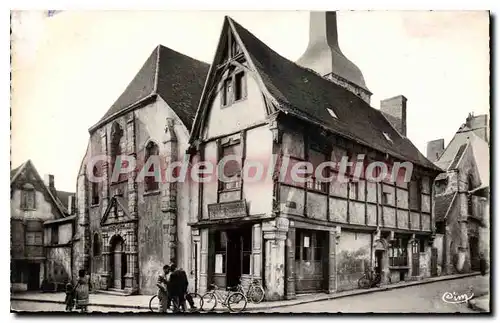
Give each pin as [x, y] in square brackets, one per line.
[254, 293]
[369, 279]
[234, 300]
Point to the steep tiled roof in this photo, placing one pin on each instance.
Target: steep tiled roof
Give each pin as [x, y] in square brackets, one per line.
[14, 171]
[480, 150]
[14, 174]
[63, 196]
[307, 95]
[458, 156]
[178, 79]
[442, 205]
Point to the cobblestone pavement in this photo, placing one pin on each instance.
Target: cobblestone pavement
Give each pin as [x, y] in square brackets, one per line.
[414, 299]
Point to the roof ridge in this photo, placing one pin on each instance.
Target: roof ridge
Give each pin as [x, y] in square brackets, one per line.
[282, 77]
[157, 69]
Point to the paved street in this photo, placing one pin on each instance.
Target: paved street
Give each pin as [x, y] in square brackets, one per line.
[426, 298]
[52, 307]
[417, 299]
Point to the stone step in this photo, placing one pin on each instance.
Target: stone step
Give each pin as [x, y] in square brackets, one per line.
[115, 291]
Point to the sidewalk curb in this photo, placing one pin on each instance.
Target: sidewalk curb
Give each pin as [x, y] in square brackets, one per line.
[293, 303]
[367, 291]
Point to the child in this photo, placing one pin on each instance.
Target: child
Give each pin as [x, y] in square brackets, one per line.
[82, 292]
[70, 297]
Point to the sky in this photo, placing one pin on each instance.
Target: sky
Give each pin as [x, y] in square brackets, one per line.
[67, 70]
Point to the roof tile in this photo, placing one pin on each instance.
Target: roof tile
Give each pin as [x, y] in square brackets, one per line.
[310, 100]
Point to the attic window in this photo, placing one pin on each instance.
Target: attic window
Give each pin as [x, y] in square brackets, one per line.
[330, 111]
[386, 135]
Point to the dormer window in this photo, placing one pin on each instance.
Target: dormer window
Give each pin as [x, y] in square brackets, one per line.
[330, 111]
[386, 135]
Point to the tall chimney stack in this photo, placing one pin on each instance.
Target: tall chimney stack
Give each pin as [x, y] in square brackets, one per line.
[323, 55]
[434, 149]
[49, 182]
[71, 204]
[394, 109]
[479, 125]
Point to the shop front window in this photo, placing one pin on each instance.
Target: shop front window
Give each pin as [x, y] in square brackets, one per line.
[398, 255]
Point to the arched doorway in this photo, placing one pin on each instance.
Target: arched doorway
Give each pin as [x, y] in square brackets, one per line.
[118, 262]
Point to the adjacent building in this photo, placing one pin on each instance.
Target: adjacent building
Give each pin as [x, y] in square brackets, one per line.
[312, 237]
[462, 196]
[128, 229]
[42, 226]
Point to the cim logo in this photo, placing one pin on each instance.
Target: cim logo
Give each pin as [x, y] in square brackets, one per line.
[454, 298]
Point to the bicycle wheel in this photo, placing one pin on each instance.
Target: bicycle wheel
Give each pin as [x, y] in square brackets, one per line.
[154, 304]
[236, 302]
[209, 301]
[197, 300]
[364, 282]
[256, 294]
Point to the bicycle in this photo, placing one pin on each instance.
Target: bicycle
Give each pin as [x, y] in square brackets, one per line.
[235, 301]
[154, 302]
[369, 279]
[254, 293]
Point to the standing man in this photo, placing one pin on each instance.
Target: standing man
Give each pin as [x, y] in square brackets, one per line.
[162, 284]
[180, 284]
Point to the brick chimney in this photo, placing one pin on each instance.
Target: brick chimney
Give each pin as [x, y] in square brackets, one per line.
[49, 182]
[434, 149]
[323, 55]
[394, 109]
[71, 204]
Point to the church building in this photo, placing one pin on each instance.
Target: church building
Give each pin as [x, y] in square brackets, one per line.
[128, 229]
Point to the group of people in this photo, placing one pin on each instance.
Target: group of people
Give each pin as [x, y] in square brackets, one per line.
[78, 296]
[173, 289]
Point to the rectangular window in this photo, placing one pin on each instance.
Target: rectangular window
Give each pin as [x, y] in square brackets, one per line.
[246, 250]
[398, 255]
[34, 238]
[422, 245]
[227, 91]
[95, 187]
[315, 183]
[415, 195]
[318, 248]
[306, 247]
[220, 252]
[440, 226]
[234, 88]
[28, 199]
[231, 168]
[239, 80]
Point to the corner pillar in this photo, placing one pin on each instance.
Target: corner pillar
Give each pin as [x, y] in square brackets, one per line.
[203, 283]
[275, 234]
[333, 239]
[290, 263]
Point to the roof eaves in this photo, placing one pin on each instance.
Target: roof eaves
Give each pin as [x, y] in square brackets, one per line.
[19, 170]
[131, 107]
[157, 69]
